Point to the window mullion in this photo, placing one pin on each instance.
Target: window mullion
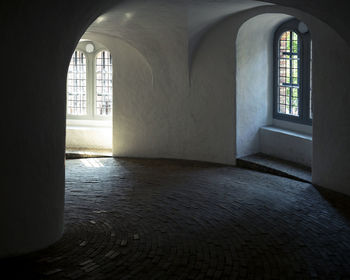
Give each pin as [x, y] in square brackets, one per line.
[91, 85]
[76, 85]
[306, 79]
[290, 70]
[301, 78]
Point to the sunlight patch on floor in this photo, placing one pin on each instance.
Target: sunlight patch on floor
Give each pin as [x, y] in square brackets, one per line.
[92, 162]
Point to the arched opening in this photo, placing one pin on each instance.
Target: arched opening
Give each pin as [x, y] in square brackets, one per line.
[272, 81]
[169, 118]
[89, 101]
[217, 86]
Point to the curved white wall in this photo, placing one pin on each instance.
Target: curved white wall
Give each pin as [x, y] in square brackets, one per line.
[161, 114]
[169, 117]
[254, 95]
[330, 125]
[254, 73]
[331, 98]
[88, 138]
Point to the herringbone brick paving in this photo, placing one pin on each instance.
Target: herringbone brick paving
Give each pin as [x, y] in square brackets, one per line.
[170, 219]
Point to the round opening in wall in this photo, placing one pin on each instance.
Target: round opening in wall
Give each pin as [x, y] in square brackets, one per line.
[89, 48]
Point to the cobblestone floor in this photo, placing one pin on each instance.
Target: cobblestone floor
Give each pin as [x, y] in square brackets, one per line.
[164, 219]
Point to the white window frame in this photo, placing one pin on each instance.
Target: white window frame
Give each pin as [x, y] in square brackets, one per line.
[95, 84]
[91, 111]
[86, 85]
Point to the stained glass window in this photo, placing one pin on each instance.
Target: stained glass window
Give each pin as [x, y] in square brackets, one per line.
[76, 85]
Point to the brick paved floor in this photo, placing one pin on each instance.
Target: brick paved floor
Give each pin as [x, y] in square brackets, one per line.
[164, 219]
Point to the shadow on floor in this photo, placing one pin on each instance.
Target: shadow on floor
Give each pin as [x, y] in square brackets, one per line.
[172, 219]
[268, 164]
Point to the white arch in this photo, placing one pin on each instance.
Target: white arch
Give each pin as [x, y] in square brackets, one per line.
[213, 79]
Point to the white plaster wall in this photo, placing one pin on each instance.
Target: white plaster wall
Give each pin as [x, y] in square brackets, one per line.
[195, 123]
[155, 112]
[303, 128]
[160, 113]
[286, 144]
[149, 43]
[331, 98]
[158, 116]
[137, 129]
[254, 73]
[254, 94]
[213, 79]
[331, 102]
[203, 17]
[151, 119]
[331, 127]
[80, 137]
[211, 130]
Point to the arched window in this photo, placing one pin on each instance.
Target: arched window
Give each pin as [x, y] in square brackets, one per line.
[104, 84]
[76, 85]
[90, 84]
[89, 98]
[292, 66]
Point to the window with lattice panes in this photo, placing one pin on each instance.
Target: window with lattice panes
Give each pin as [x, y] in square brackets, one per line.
[292, 79]
[90, 84]
[104, 87]
[76, 85]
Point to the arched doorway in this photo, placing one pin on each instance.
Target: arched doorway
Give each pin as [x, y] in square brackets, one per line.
[89, 101]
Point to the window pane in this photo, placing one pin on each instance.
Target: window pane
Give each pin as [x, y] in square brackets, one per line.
[76, 85]
[310, 81]
[288, 80]
[104, 89]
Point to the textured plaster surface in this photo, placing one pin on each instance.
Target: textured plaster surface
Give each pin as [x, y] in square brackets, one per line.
[254, 74]
[295, 147]
[332, 124]
[190, 118]
[89, 138]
